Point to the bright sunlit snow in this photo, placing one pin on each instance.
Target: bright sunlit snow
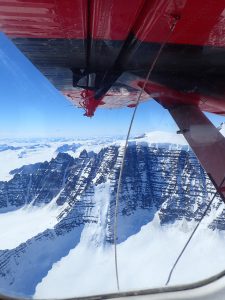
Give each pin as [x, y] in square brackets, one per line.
[144, 261]
[18, 226]
[13, 159]
[164, 137]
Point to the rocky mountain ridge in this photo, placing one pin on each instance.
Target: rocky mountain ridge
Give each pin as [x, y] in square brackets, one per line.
[162, 179]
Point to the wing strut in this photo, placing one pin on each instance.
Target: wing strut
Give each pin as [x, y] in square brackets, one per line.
[205, 140]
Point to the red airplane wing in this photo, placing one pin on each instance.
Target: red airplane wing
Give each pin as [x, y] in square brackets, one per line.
[107, 47]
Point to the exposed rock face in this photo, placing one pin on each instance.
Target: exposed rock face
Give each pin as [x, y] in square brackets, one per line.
[164, 179]
[39, 186]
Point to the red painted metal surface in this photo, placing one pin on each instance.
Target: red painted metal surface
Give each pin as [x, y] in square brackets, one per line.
[201, 22]
[44, 18]
[113, 20]
[172, 98]
[89, 103]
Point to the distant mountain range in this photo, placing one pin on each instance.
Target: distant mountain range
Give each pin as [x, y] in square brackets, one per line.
[160, 180]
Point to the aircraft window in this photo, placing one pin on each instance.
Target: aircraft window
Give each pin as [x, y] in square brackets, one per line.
[72, 224]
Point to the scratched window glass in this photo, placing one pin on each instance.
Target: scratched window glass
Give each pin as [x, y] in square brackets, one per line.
[112, 146]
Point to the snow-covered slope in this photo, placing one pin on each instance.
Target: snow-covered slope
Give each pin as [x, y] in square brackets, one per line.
[20, 225]
[15, 154]
[144, 261]
[162, 137]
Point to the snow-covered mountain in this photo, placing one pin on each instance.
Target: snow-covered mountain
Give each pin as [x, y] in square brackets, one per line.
[68, 204]
[17, 153]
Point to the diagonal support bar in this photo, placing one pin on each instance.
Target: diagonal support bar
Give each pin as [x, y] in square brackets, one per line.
[205, 140]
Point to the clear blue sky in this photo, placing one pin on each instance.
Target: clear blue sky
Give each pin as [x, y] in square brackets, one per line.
[32, 107]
